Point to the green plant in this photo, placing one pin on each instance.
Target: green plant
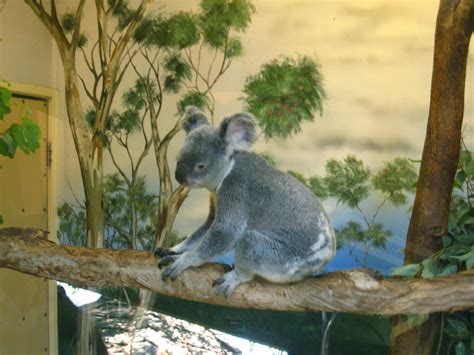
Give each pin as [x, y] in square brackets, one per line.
[284, 93]
[24, 135]
[457, 253]
[116, 200]
[351, 183]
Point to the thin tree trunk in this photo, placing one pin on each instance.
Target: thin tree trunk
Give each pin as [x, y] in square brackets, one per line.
[429, 220]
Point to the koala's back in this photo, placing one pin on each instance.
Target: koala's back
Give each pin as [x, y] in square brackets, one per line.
[272, 199]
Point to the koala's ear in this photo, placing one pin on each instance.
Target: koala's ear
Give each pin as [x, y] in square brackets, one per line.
[193, 118]
[239, 131]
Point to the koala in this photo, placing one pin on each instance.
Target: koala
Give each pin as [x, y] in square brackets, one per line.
[277, 227]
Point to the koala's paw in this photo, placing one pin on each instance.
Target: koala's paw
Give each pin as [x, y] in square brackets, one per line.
[176, 265]
[165, 261]
[162, 252]
[224, 286]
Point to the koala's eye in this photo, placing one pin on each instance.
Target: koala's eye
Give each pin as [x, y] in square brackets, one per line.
[200, 167]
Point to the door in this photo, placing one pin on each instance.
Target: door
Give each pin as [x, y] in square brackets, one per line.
[24, 299]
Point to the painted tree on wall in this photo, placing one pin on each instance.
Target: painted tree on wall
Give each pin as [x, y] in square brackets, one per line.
[173, 48]
[107, 61]
[187, 54]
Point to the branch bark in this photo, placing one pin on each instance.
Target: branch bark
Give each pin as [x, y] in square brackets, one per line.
[354, 291]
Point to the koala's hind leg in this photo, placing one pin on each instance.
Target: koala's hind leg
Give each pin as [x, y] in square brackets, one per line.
[277, 257]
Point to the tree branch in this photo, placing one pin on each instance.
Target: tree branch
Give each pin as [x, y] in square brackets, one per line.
[354, 291]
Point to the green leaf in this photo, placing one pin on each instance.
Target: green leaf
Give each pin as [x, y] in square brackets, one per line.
[192, 98]
[5, 102]
[470, 263]
[469, 169]
[460, 348]
[459, 326]
[447, 241]
[1, 219]
[414, 320]
[8, 145]
[429, 269]
[449, 269]
[409, 270]
[27, 135]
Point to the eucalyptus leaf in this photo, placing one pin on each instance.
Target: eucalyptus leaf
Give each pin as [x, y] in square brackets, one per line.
[409, 270]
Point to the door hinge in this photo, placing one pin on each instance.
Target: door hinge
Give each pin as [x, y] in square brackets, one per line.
[49, 154]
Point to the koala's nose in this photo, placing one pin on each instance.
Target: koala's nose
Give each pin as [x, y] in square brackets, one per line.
[180, 173]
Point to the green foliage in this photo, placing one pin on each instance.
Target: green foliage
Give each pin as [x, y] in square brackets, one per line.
[5, 102]
[177, 71]
[82, 40]
[219, 17]
[128, 121]
[409, 270]
[459, 327]
[192, 98]
[122, 12]
[457, 253]
[373, 236]
[350, 183]
[396, 179]
[347, 180]
[177, 31]
[317, 185]
[72, 225]
[116, 200]
[24, 135]
[285, 93]
[234, 48]
[68, 21]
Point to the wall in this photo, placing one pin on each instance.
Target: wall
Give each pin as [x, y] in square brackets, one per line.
[376, 57]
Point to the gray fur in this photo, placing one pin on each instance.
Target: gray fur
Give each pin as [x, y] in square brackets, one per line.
[193, 118]
[278, 228]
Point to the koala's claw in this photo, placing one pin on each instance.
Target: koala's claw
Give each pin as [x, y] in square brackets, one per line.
[218, 282]
[166, 261]
[162, 252]
[224, 287]
[228, 268]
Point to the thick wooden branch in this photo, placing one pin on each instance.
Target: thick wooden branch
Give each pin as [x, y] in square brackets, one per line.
[355, 291]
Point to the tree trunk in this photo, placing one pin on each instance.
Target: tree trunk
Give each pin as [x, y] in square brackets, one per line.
[429, 220]
[354, 291]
